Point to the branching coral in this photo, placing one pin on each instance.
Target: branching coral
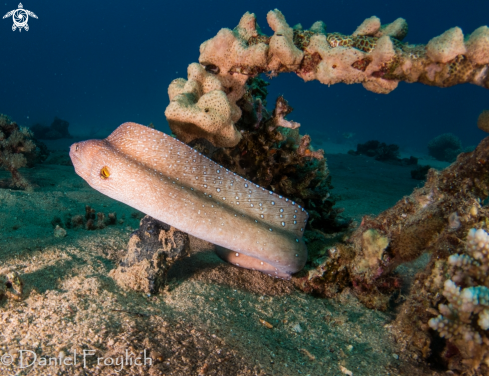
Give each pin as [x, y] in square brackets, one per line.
[464, 321]
[16, 146]
[205, 105]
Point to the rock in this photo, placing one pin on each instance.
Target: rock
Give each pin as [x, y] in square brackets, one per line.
[420, 172]
[152, 249]
[11, 285]
[59, 232]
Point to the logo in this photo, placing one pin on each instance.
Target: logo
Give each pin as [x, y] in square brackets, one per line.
[20, 17]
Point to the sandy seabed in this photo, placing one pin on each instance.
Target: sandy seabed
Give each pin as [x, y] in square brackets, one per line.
[211, 319]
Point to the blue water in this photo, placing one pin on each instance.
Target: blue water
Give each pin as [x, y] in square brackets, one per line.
[98, 64]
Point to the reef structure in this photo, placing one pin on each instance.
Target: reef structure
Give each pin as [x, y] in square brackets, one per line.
[205, 104]
[434, 218]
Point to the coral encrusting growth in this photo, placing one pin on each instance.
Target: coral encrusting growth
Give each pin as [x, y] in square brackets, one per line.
[432, 219]
[18, 149]
[205, 105]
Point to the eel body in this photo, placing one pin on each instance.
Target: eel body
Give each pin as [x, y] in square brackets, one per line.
[168, 180]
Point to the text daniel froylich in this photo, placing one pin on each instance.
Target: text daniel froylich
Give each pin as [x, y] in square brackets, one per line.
[28, 358]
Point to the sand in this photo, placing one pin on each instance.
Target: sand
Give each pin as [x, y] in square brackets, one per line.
[212, 318]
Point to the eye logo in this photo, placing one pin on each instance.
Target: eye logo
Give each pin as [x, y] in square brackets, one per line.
[20, 17]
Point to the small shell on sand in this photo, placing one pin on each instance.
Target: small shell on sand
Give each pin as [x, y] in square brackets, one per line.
[59, 232]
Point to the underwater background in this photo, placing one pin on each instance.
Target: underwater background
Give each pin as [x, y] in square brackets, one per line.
[98, 64]
[394, 281]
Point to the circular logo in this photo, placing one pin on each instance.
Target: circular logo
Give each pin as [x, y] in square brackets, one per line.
[20, 18]
[6, 359]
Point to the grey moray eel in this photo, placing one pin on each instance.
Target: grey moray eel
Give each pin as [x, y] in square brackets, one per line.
[155, 173]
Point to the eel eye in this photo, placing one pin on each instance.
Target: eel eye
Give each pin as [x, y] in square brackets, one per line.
[76, 147]
[104, 172]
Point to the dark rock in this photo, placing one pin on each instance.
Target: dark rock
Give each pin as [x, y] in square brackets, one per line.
[58, 129]
[77, 221]
[100, 220]
[420, 172]
[410, 161]
[379, 150]
[90, 225]
[384, 153]
[40, 130]
[61, 126]
[112, 219]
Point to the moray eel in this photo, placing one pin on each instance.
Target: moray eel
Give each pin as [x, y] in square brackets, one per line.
[168, 180]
